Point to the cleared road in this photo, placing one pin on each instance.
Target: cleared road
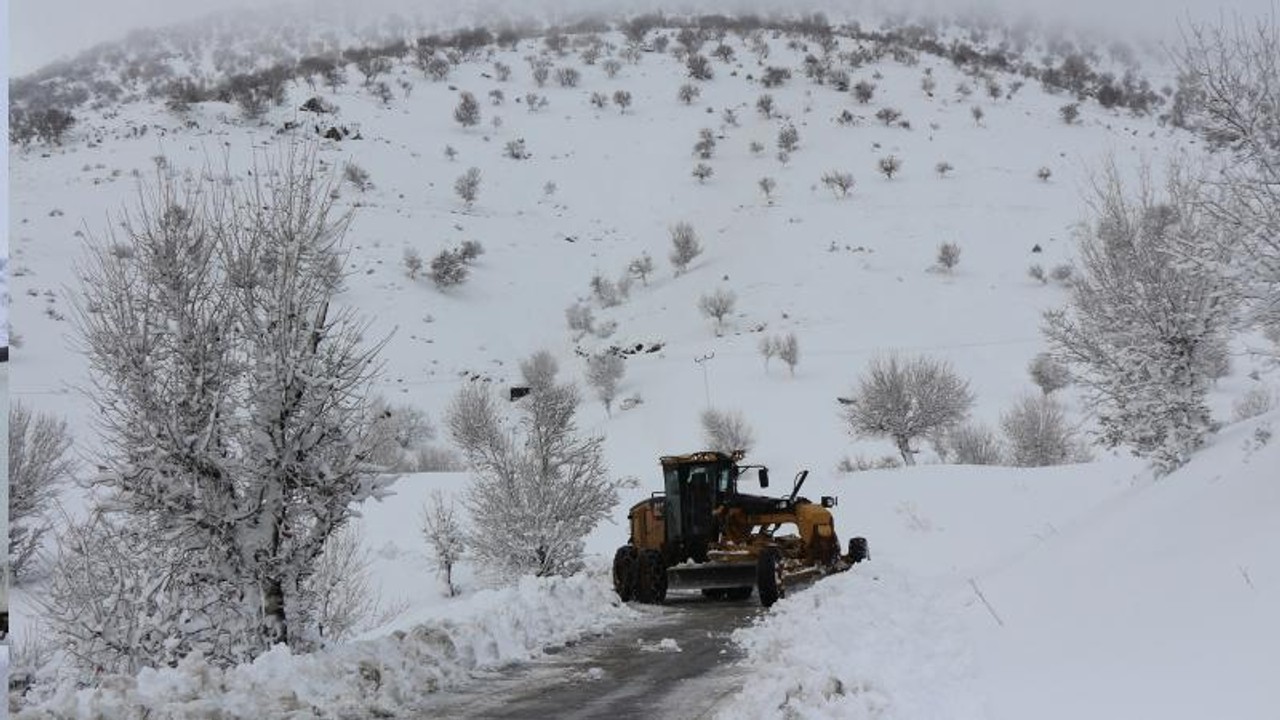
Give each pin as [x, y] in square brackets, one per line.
[636, 672]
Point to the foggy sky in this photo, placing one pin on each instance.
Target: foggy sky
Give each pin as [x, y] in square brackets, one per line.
[45, 30]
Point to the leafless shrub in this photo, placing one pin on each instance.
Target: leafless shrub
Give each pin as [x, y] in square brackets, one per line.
[38, 466]
[685, 246]
[726, 432]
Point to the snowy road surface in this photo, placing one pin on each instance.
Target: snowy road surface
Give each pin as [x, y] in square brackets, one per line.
[678, 667]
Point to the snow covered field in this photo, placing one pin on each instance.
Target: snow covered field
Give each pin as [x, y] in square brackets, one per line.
[1081, 590]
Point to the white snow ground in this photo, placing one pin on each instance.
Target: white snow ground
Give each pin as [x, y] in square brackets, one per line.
[1119, 597]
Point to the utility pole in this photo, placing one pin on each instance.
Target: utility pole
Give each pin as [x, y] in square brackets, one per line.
[706, 385]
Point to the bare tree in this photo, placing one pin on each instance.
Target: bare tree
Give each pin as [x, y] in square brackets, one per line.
[973, 444]
[688, 93]
[1038, 432]
[467, 112]
[622, 98]
[789, 351]
[684, 246]
[948, 256]
[840, 183]
[764, 104]
[768, 349]
[641, 267]
[442, 529]
[906, 399]
[717, 305]
[1048, 374]
[38, 466]
[604, 371]
[767, 186]
[889, 166]
[467, 186]
[340, 589]
[788, 139]
[706, 145]
[1142, 323]
[726, 432]
[448, 268]
[538, 486]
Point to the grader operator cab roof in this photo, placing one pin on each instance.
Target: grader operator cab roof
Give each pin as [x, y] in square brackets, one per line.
[698, 458]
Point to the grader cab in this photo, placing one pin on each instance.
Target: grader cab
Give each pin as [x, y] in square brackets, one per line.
[700, 532]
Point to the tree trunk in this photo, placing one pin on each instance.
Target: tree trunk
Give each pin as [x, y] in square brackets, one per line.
[904, 447]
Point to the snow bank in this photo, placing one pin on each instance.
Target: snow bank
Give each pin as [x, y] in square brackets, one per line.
[381, 677]
[870, 643]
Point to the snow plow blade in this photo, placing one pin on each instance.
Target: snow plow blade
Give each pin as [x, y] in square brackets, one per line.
[711, 575]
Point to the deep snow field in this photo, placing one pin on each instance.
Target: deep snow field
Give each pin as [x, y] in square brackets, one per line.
[1089, 590]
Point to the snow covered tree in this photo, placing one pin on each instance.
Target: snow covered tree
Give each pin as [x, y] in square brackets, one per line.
[840, 183]
[768, 349]
[467, 186]
[688, 93]
[1048, 374]
[906, 399]
[641, 267]
[726, 432]
[539, 369]
[702, 171]
[684, 246]
[1038, 433]
[973, 444]
[467, 112]
[231, 397]
[604, 371]
[948, 256]
[446, 539]
[622, 98]
[788, 139]
[339, 588]
[717, 305]
[1143, 321]
[580, 318]
[412, 262]
[889, 166]
[1231, 80]
[789, 351]
[448, 268]
[38, 465]
[538, 488]
[397, 433]
[706, 145]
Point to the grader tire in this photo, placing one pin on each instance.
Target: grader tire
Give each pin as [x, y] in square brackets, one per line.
[652, 587]
[769, 576]
[626, 572]
[858, 550]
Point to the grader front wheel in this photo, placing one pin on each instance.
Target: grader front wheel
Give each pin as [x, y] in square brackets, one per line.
[769, 576]
[626, 572]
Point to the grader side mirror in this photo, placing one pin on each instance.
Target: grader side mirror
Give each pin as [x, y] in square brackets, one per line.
[764, 477]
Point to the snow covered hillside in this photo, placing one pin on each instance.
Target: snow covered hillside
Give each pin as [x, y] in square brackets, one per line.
[992, 592]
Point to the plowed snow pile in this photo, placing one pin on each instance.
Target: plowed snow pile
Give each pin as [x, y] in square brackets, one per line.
[387, 676]
[1157, 601]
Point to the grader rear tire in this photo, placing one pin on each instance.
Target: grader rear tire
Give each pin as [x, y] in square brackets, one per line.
[652, 587]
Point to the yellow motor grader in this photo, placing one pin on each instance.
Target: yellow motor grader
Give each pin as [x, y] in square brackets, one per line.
[701, 533]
